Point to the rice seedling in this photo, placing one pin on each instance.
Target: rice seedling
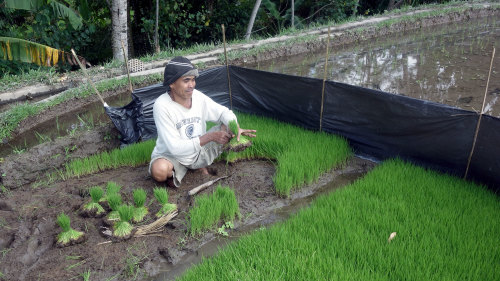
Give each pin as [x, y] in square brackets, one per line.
[208, 210]
[440, 220]
[234, 144]
[161, 195]
[123, 228]
[111, 188]
[114, 201]
[140, 211]
[68, 234]
[96, 193]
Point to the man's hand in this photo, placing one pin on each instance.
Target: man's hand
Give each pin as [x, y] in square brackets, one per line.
[221, 137]
[245, 132]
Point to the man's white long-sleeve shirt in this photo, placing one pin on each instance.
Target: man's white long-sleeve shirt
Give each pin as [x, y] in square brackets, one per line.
[179, 128]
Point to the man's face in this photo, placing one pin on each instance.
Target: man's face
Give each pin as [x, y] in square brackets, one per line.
[183, 87]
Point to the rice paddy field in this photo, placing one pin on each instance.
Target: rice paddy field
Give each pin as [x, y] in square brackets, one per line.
[442, 228]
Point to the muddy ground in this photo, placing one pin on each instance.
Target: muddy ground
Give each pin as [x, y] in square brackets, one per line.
[32, 196]
[28, 214]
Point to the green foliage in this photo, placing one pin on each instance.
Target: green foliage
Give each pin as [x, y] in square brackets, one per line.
[64, 222]
[139, 196]
[140, 211]
[68, 234]
[233, 126]
[114, 201]
[439, 219]
[112, 188]
[300, 154]
[96, 193]
[208, 210]
[123, 227]
[161, 195]
[132, 155]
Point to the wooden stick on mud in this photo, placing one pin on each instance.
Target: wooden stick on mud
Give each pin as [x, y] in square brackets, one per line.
[203, 186]
[126, 65]
[324, 81]
[227, 68]
[88, 78]
[480, 116]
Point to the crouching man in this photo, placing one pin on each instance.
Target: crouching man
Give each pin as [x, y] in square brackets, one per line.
[180, 117]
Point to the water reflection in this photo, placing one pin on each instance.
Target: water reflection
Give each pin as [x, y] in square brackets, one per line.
[447, 64]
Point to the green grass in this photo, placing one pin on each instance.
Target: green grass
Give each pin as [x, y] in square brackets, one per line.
[67, 234]
[96, 193]
[140, 211]
[114, 202]
[209, 210]
[299, 154]
[132, 155]
[447, 229]
[161, 195]
[123, 227]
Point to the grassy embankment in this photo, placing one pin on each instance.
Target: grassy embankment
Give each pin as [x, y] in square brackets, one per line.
[447, 229]
[299, 154]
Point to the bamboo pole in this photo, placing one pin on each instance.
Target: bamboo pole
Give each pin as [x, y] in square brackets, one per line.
[204, 185]
[324, 82]
[480, 116]
[227, 68]
[126, 65]
[88, 78]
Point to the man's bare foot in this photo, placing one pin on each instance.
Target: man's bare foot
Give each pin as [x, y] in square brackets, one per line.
[207, 171]
[203, 171]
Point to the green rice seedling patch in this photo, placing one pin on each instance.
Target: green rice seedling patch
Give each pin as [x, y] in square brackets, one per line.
[446, 229]
[93, 208]
[208, 210]
[114, 202]
[123, 228]
[68, 235]
[161, 195]
[140, 211]
[299, 154]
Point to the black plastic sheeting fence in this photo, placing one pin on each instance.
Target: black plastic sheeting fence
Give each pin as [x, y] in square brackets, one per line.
[378, 125]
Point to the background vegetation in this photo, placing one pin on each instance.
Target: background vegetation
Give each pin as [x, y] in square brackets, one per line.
[182, 23]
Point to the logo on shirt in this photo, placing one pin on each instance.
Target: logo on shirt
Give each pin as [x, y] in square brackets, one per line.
[189, 131]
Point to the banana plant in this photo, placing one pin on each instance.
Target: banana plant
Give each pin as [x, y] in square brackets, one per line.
[30, 52]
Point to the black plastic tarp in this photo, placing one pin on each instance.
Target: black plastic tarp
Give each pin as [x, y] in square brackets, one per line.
[377, 124]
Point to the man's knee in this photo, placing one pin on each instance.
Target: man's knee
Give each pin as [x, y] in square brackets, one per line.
[161, 169]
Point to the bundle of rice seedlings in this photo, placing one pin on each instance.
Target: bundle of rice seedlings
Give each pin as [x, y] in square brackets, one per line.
[140, 211]
[234, 144]
[111, 188]
[68, 236]
[123, 228]
[114, 201]
[161, 195]
[93, 208]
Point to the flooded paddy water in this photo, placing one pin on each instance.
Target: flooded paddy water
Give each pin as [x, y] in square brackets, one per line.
[447, 64]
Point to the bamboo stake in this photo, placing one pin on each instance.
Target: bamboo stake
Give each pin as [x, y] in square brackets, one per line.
[324, 82]
[88, 78]
[203, 186]
[227, 67]
[480, 116]
[126, 65]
